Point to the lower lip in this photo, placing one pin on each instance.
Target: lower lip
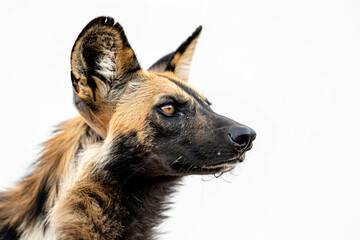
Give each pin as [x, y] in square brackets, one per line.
[226, 165]
[223, 167]
[231, 161]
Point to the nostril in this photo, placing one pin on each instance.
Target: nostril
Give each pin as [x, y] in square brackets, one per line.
[242, 137]
[241, 140]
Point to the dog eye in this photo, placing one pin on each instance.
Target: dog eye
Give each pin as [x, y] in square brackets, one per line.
[168, 110]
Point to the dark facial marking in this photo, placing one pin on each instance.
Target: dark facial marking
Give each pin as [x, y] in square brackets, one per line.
[125, 156]
[204, 103]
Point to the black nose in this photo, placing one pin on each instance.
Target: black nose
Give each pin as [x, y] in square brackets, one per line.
[242, 137]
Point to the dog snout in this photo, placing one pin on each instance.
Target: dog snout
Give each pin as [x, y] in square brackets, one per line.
[242, 137]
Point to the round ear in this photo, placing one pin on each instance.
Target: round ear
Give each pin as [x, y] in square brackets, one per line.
[102, 62]
[179, 61]
[101, 56]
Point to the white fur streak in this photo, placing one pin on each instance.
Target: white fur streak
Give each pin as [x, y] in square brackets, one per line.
[37, 232]
[106, 66]
[182, 68]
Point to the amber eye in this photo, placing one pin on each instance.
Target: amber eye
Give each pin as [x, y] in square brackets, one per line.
[168, 109]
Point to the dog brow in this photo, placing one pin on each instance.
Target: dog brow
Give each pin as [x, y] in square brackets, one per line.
[202, 100]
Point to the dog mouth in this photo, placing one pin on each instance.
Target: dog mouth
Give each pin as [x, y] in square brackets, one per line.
[210, 168]
[223, 166]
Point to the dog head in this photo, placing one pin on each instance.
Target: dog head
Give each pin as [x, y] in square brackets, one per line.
[158, 125]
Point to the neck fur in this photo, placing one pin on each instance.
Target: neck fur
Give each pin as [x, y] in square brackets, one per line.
[27, 204]
[62, 199]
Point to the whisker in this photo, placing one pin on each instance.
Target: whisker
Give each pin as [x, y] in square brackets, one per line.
[224, 179]
[217, 176]
[206, 180]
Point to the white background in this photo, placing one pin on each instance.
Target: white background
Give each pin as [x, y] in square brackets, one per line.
[288, 69]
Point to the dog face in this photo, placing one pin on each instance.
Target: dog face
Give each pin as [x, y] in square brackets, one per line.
[157, 124]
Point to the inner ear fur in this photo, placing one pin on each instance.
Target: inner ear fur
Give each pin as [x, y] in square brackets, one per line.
[101, 57]
[102, 62]
[179, 61]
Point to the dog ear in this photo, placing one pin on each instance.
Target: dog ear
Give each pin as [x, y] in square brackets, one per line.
[102, 62]
[179, 61]
[100, 58]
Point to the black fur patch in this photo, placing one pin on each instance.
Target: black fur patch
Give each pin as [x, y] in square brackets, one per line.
[182, 48]
[140, 199]
[125, 157]
[8, 233]
[162, 62]
[38, 207]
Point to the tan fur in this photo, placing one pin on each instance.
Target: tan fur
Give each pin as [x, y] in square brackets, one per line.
[116, 58]
[75, 181]
[120, 103]
[114, 41]
[84, 91]
[182, 68]
[55, 160]
[114, 50]
[81, 223]
[133, 108]
[182, 62]
[130, 115]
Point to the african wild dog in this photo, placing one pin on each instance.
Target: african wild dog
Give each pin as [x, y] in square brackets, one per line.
[107, 173]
